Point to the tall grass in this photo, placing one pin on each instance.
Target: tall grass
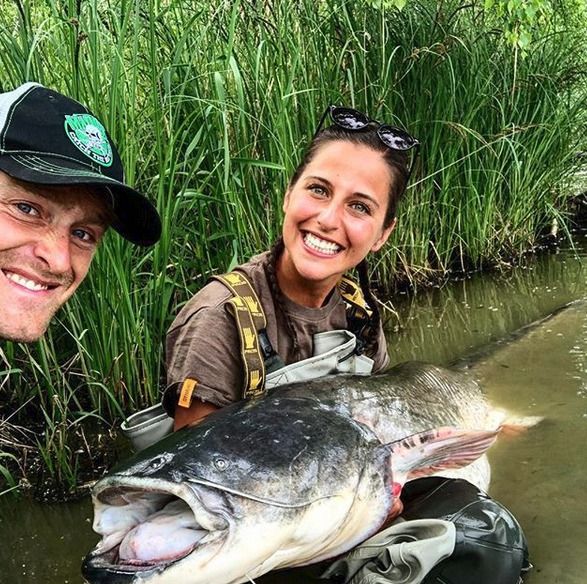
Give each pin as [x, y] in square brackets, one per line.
[211, 105]
[500, 133]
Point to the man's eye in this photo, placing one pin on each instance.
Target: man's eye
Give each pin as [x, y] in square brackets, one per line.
[27, 209]
[83, 235]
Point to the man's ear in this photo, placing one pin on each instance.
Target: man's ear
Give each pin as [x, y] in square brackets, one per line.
[384, 236]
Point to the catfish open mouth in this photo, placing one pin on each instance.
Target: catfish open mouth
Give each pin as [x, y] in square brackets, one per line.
[148, 528]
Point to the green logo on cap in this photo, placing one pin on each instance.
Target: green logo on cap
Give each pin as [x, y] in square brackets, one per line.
[89, 135]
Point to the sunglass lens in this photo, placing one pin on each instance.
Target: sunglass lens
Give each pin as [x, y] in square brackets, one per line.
[348, 118]
[395, 138]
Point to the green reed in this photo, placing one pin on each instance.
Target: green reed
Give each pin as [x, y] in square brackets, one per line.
[211, 105]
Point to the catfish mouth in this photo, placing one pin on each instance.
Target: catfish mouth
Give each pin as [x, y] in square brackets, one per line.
[147, 528]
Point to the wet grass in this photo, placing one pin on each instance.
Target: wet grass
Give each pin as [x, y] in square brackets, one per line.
[212, 104]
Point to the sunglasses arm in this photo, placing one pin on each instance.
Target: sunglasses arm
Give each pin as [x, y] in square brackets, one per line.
[322, 118]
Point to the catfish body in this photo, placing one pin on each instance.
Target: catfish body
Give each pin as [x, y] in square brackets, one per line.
[301, 475]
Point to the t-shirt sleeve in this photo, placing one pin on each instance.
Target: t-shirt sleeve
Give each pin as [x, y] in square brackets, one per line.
[205, 348]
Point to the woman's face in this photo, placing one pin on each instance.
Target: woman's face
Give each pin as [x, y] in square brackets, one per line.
[334, 213]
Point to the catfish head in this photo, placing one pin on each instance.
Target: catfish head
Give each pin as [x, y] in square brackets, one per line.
[277, 482]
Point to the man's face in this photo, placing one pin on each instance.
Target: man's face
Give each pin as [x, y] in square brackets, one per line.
[48, 236]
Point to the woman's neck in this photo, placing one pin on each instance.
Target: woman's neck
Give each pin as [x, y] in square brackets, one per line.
[301, 291]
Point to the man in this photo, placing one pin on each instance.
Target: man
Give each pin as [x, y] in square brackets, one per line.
[61, 187]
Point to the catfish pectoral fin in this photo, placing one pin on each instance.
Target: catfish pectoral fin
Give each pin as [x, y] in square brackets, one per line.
[440, 449]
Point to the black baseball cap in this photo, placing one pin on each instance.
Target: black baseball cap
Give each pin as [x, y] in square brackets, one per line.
[50, 139]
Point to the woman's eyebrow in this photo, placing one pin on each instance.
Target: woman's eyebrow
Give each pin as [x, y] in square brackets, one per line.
[369, 198]
[321, 179]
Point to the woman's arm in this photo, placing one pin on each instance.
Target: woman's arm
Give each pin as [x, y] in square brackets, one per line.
[194, 414]
[202, 355]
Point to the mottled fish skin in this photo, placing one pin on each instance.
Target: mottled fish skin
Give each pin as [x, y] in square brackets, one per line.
[301, 475]
[410, 398]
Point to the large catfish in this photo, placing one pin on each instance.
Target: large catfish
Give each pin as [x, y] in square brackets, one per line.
[298, 476]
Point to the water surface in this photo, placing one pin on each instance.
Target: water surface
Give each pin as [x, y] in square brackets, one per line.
[541, 476]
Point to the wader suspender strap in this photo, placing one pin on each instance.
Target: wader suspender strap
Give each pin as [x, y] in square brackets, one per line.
[250, 319]
[256, 350]
[358, 313]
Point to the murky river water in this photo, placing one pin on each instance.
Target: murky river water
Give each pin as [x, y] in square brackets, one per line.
[540, 476]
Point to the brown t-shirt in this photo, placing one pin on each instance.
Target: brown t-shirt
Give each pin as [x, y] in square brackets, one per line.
[203, 342]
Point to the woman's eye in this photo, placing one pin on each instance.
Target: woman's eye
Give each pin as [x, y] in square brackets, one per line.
[361, 208]
[27, 209]
[318, 190]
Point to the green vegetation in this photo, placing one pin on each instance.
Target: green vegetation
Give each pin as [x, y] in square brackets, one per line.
[211, 104]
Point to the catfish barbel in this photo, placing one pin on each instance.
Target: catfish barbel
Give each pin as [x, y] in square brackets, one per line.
[301, 475]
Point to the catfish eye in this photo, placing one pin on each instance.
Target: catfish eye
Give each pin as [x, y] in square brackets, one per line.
[157, 463]
[221, 464]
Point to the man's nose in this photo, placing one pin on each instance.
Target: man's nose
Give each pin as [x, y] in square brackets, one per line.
[54, 249]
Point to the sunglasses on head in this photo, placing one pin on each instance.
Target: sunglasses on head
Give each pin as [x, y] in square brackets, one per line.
[353, 120]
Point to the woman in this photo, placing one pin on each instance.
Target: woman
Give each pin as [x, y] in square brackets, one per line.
[340, 205]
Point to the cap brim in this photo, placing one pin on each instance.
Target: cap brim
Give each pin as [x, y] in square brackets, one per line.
[136, 218]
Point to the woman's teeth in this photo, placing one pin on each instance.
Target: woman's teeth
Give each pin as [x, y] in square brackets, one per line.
[25, 282]
[326, 247]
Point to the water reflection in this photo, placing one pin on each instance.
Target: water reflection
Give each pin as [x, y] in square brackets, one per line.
[462, 317]
[44, 544]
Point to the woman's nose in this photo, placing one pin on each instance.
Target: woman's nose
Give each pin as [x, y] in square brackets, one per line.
[329, 216]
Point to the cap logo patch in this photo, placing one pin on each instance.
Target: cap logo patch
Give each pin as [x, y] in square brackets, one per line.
[89, 135]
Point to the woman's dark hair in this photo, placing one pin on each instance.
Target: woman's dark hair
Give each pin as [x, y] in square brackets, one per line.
[397, 162]
[271, 271]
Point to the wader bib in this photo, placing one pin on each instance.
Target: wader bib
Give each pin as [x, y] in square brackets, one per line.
[337, 351]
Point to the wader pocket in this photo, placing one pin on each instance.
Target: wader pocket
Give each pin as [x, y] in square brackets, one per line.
[147, 427]
[334, 352]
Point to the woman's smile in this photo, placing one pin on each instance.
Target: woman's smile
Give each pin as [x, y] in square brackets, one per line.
[322, 246]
